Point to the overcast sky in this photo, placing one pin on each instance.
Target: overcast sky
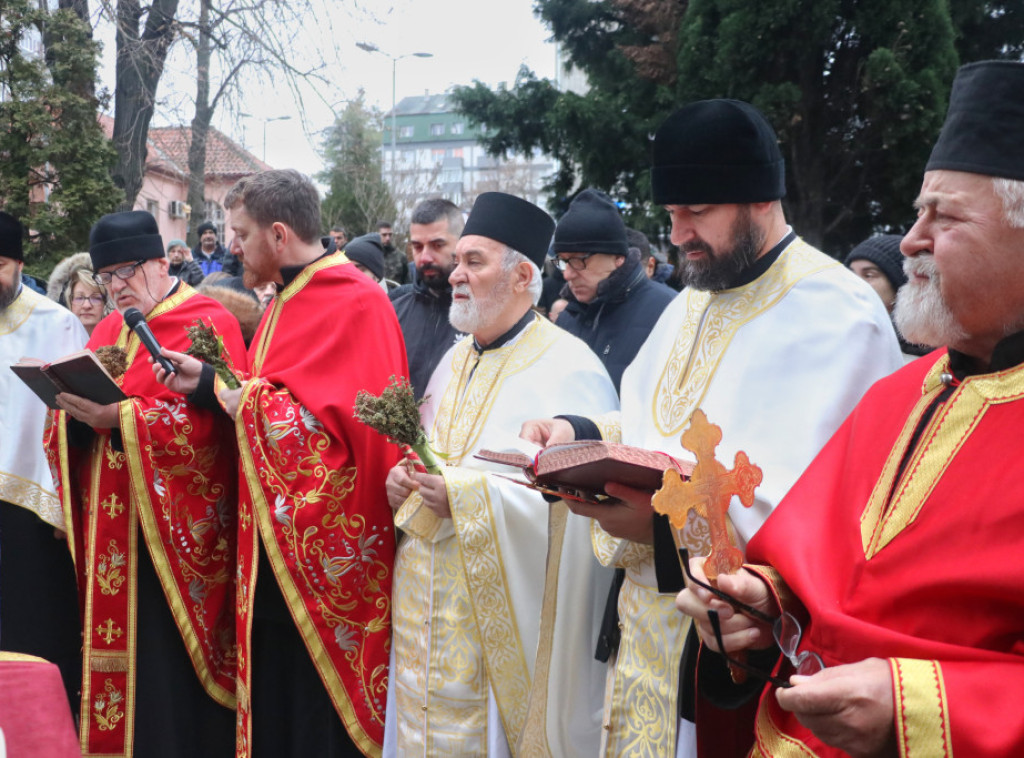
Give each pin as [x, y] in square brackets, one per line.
[468, 40]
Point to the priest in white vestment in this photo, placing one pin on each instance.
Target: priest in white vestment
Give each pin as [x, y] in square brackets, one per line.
[38, 600]
[773, 340]
[497, 593]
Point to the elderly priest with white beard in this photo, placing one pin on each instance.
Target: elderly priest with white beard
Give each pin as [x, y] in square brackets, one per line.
[497, 594]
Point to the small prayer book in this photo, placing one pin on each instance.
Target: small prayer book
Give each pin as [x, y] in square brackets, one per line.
[80, 374]
[585, 467]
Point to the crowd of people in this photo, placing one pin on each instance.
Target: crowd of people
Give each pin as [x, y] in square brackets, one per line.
[230, 561]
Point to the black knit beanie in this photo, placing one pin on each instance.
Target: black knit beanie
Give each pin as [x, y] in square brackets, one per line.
[884, 251]
[591, 225]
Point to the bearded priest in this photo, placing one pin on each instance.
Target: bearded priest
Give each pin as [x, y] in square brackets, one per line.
[497, 593]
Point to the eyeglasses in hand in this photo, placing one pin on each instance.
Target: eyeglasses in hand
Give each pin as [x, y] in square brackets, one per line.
[124, 272]
[786, 630]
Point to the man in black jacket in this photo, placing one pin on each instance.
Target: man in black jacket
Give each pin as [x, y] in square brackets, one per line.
[612, 304]
[422, 306]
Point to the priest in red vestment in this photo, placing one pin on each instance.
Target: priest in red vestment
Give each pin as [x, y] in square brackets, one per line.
[900, 551]
[316, 543]
[148, 490]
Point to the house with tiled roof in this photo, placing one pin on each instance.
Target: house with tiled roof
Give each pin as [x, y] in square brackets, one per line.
[164, 190]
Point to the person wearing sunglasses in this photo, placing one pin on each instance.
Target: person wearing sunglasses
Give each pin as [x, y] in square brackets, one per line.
[148, 491]
[901, 547]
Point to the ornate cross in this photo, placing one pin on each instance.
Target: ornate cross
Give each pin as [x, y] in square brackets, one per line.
[113, 506]
[109, 631]
[708, 493]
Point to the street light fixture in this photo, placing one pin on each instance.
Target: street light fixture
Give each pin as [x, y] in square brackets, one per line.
[372, 48]
[265, 122]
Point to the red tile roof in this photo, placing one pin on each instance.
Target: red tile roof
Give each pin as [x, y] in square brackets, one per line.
[168, 152]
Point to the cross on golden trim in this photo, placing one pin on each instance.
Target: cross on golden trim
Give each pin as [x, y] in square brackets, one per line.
[109, 631]
[708, 493]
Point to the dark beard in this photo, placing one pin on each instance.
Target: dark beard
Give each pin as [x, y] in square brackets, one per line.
[8, 294]
[721, 268]
[438, 283]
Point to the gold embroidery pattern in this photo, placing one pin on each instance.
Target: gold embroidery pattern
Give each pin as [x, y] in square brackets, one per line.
[15, 314]
[108, 570]
[329, 547]
[109, 631]
[471, 394]
[770, 742]
[107, 707]
[642, 719]
[612, 551]
[709, 324]
[489, 592]
[886, 516]
[27, 494]
[922, 714]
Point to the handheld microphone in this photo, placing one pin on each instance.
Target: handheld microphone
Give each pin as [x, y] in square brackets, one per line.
[134, 318]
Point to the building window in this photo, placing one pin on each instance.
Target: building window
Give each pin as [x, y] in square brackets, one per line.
[437, 130]
[458, 128]
[405, 131]
[153, 208]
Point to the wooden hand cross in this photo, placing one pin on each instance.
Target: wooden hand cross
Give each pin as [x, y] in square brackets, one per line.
[708, 493]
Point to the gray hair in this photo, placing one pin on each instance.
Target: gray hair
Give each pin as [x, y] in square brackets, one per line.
[512, 258]
[436, 208]
[279, 196]
[1011, 192]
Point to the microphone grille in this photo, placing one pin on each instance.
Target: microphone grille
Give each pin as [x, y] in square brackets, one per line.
[133, 317]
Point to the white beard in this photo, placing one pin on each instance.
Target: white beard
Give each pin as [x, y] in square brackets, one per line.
[472, 315]
[921, 313]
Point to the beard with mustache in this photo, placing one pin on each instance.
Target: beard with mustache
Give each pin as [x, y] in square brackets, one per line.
[437, 283]
[922, 314]
[721, 267]
[471, 316]
[8, 292]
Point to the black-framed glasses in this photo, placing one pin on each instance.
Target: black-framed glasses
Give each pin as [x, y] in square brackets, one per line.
[124, 272]
[577, 263]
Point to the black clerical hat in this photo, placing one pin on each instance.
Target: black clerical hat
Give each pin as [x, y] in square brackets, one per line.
[716, 151]
[124, 237]
[984, 123]
[591, 225]
[11, 237]
[512, 221]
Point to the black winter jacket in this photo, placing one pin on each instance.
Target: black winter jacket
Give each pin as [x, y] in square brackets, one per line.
[618, 320]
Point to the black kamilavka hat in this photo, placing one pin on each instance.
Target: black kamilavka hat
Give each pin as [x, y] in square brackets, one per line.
[715, 152]
[512, 221]
[984, 123]
[11, 237]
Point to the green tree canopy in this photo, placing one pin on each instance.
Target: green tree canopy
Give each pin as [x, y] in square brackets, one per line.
[357, 197]
[856, 90]
[54, 158]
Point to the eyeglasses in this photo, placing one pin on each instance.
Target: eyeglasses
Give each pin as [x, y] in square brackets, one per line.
[125, 272]
[576, 264]
[95, 299]
[786, 630]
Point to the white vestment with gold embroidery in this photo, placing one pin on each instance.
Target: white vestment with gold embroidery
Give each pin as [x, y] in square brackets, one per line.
[33, 326]
[494, 623]
[777, 364]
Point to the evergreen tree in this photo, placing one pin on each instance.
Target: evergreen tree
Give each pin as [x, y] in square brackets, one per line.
[856, 90]
[358, 196]
[54, 158]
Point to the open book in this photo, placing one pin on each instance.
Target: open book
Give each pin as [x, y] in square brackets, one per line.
[80, 374]
[582, 468]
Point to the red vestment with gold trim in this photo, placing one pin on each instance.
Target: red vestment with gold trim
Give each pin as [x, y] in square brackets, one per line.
[918, 562]
[175, 484]
[312, 492]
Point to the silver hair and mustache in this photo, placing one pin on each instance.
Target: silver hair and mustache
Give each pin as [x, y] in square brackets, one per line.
[922, 314]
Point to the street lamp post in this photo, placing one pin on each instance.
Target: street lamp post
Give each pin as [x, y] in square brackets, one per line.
[372, 48]
[265, 122]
